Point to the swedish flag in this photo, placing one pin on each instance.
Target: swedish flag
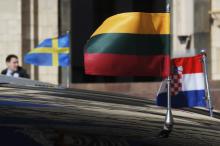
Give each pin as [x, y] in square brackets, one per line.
[50, 52]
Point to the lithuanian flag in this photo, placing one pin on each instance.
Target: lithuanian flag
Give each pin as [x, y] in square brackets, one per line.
[135, 42]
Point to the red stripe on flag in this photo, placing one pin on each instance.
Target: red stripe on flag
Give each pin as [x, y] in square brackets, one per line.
[190, 64]
[126, 65]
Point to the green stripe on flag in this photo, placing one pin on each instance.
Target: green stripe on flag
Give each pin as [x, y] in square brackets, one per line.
[130, 44]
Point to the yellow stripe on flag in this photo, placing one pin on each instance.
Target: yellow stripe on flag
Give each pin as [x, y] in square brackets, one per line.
[136, 23]
[55, 52]
[50, 50]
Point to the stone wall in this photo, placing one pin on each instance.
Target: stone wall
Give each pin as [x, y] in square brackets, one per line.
[191, 27]
[215, 43]
[10, 29]
[48, 27]
[23, 25]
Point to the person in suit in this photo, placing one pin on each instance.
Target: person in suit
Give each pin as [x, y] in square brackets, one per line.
[13, 69]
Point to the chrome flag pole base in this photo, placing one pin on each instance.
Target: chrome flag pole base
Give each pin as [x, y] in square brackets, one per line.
[168, 123]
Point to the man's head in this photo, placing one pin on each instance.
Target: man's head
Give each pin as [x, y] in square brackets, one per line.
[12, 62]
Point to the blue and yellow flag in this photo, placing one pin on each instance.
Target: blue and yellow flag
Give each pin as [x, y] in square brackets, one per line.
[50, 52]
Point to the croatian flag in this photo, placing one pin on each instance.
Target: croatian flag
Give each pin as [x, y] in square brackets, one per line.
[187, 84]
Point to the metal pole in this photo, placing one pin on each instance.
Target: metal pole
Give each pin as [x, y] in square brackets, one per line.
[168, 124]
[204, 61]
[68, 77]
[68, 67]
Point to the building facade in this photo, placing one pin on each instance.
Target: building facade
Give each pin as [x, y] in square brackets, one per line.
[25, 23]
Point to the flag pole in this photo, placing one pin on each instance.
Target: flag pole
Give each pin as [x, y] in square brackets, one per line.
[68, 69]
[67, 77]
[168, 122]
[204, 62]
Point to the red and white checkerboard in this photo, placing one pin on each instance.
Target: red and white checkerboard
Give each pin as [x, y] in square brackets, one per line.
[176, 84]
